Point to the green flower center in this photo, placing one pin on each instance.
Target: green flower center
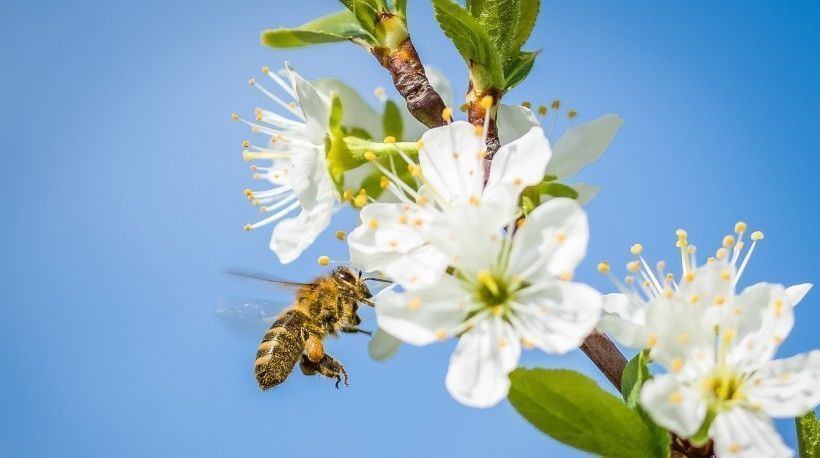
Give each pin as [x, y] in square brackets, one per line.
[724, 388]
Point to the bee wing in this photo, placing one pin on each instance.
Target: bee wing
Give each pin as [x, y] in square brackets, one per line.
[290, 286]
[248, 315]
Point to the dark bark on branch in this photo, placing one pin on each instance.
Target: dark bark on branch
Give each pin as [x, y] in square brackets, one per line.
[603, 352]
[476, 114]
[404, 65]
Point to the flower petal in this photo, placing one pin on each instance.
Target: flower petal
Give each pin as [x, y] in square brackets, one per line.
[451, 161]
[387, 232]
[419, 268]
[673, 405]
[555, 235]
[624, 319]
[292, 236]
[787, 387]
[520, 163]
[477, 376]
[382, 346]
[583, 145]
[681, 342]
[764, 319]
[796, 293]
[356, 113]
[742, 433]
[586, 192]
[557, 317]
[514, 121]
[425, 315]
[314, 105]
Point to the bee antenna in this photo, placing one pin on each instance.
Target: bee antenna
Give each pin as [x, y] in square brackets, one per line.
[382, 280]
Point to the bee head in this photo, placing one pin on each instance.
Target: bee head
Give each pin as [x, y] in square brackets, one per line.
[352, 281]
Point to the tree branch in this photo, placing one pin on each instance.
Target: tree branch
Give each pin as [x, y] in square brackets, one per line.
[603, 352]
[405, 66]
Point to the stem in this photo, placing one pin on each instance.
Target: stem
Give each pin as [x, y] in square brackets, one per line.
[405, 66]
[603, 352]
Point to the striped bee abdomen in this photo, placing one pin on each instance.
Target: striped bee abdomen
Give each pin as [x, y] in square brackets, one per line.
[280, 349]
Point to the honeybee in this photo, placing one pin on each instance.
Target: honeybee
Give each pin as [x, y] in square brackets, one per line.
[326, 306]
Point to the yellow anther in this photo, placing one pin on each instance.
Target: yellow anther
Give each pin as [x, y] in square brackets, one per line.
[403, 218]
[497, 310]
[542, 110]
[258, 176]
[757, 235]
[670, 276]
[652, 340]
[384, 182]
[681, 234]
[245, 144]
[636, 249]
[234, 117]
[728, 241]
[737, 311]
[571, 114]
[247, 156]
[734, 449]
[778, 307]
[247, 227]
[475, 201]
[556, 104]
[414, 170]
[390, 139]
[502, 342]
[347, 195]
[441, 334]
[256, 202]
[660, 265]
[683, 338]
[393, 243]
[520, 222]
[526, 104]
[265, 69]
[710, 260]
[370, 155]
[419, 145]
[360, 200]
[248, 193]
[341, 235]
[728, 335]
[527, 343]
[691, 249]
[720, 300]
[414, 303]
[721, 253]
[676, 365]
[603, 267]
[251, 82]
[694, 299]
[479, 130]
[777, 340]
[323, 260]
[422, 200]
[675, 398]
[565, 276]
[373, 224]
[560, 237]
[726, 275]
[629, 279]
[689, 276]
[447, 114]
[633, 266]
[740, 226]
[418, 222]
[487, 101]
[667, 292]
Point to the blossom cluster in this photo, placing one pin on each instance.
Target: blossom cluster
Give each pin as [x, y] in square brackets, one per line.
[487, 256]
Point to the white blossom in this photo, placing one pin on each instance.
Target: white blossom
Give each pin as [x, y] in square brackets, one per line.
[717, 346]
[504, 292]
[295, 156]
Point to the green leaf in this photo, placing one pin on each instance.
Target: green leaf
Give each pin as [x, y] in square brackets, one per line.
[556, 189]
[526, 22]
[573, 409]
[808, 435]
[400, 6]
[339, 157]
[367, 13]
[334, 27]
[392, 123]
[635, 374]
[472, 42]
[518, 69]
[509, 24]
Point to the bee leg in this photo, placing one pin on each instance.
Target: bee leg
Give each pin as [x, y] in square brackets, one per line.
[355, 330]
[328, 366]
[314, 349]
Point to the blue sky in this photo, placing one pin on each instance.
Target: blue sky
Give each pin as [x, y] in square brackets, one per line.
[121, 192]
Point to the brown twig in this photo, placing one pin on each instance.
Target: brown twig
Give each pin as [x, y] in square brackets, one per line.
[603, 352]
[405, 66]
